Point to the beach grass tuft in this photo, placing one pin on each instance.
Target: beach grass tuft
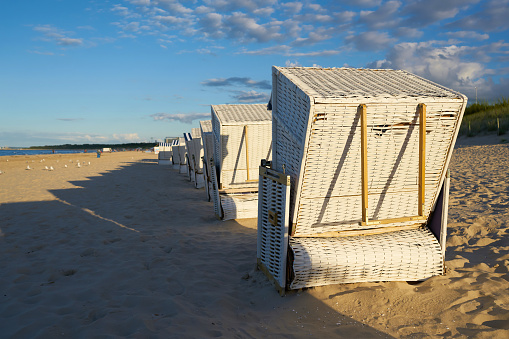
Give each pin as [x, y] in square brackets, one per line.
[485, 118]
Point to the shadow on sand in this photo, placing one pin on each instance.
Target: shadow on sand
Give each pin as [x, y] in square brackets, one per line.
[137, 252]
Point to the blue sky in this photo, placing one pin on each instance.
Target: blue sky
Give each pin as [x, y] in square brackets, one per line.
[120, 71]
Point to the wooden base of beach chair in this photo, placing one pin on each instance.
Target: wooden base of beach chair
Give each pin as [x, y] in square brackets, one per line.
[176, 167]
[164, 162]
[183, 169]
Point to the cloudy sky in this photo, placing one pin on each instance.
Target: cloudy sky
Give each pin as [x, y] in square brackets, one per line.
[95, 71]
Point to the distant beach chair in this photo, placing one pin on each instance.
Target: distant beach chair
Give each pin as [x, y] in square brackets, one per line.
[164, 156]
[182, 156]
[242, 137]
[189, 151]
[208, 154]
[175, 158]
[197, 158]
[358, 187]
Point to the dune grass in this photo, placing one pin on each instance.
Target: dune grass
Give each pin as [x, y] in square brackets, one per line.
[485, 118]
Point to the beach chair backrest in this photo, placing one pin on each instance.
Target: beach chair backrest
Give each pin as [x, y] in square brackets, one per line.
[242, 137]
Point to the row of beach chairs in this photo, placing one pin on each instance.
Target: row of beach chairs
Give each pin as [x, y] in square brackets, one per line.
[345, 169]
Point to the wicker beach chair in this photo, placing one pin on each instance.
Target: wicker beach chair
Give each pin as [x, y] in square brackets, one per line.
[164, 156]
[197, 158]
[182, 150]
[242, 137]
[175, 158]
[358, 187]
[208, 154]
[188, 139]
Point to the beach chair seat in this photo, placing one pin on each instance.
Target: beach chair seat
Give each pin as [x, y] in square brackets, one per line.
[358, 186]
[242, 136]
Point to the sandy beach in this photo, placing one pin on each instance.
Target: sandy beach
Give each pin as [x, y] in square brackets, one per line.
[123, 247]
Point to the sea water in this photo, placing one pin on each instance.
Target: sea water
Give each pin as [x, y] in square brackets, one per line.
[41, 151]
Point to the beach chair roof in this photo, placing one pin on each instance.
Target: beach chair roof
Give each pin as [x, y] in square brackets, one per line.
[188, 137]
[175, 142]
[242, 114]
[333, 85]
[206, 126]
[195, 133]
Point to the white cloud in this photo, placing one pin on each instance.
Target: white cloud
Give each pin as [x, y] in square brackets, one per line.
[187, 118]
[493, 17]
[292, 7]
[58, 36]
[383, 17]
[290, 63]
[370, 41]
[251, 97]
[450, 66]
[468, 35]
[426, 12]
[129, 137]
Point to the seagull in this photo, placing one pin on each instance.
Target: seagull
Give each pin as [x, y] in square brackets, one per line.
[28, 167]
[65, 166]
[46, 167]
[79, 165]
[51, 168]
[89, 163]
[1, 172]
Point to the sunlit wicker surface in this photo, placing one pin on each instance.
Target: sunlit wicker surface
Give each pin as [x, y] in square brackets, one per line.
[316, 138]
[237, 164]
[397, 256]
[242, 137]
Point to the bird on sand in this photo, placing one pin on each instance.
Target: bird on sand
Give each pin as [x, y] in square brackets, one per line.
[28, 167]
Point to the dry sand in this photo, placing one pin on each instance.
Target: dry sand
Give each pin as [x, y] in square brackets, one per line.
[126, 248]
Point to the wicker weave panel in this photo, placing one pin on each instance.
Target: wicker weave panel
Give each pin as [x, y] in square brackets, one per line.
[273, 239]
[239, 206]
[397, 256]
[317, 140]
[229, 131]
[214, 189]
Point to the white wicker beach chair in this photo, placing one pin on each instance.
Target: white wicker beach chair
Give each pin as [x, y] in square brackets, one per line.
[175, 158]
[197, 158]
[164, 156]
[189, 151]
[358, 186]
[208, 154]
[242, 137]
[182, 156]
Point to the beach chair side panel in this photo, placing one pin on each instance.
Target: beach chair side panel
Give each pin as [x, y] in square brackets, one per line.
[273, 213]
[291, 109]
